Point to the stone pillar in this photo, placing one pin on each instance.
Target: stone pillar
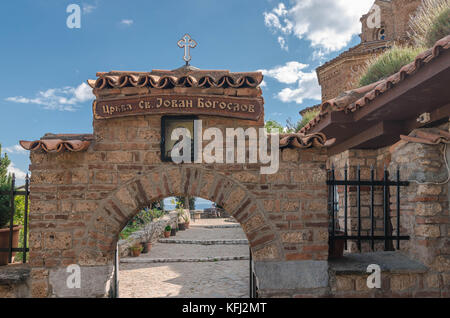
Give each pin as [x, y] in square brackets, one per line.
[299, 212]
[425, 210]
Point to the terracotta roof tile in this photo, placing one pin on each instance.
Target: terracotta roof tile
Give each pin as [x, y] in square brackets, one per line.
[351, 101]
[51, 143]
[301, 141]
[177, 78]
[432, 136]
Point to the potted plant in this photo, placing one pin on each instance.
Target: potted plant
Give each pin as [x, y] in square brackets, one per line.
[180, 213]
[167, 231]
[148, 237]
[173, 232]
[187, 221]
[136, 250]
[5, 215]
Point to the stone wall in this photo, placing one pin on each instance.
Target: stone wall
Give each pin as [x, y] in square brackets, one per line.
[424, 215]
[156, 227]
[81, 201]
[425, 207]
[15, 281]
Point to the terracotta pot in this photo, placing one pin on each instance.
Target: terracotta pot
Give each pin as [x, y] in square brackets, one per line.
[182, 226]
[135, 252]
[167, 234]
[4, 243]
[336, 250]
[187, 225]
[146, 247]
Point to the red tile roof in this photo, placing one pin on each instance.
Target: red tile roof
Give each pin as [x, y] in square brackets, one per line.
[351, 101]
[432, 136]
[59, 143]
[184, 77]
[302, 141]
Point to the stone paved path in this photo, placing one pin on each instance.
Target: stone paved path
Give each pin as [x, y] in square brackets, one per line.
[221, 279]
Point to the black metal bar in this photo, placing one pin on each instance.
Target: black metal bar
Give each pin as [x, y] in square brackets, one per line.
[11, 220]
[18, 249]
[251, 273]
[398, 209]
[332, 205]
[368, 183]
[370, 237]
[385, 209]
[359, 206]
[372, 213]
[25, 221]
[16, 193]
[345, 202]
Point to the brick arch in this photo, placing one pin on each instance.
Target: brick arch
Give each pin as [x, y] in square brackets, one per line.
[114, 212]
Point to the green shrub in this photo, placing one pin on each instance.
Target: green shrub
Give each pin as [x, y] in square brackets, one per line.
[388, 63]
[168, 228]
[306, 118]
[439, 29]
[431, 23]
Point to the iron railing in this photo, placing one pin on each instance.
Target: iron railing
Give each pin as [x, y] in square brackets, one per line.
[371, 186]
[12, 193]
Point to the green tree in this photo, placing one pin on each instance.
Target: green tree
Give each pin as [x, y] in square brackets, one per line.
[272, 125]
[5, 178]
[187, 203]
[5, 181]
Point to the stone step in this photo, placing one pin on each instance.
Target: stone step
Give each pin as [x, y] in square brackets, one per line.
[139, 260]
[225, 226]
[204, 242]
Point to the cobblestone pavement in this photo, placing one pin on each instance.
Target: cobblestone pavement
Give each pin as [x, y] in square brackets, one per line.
[221, 279]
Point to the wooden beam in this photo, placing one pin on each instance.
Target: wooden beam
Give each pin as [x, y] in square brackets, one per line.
[337, 118]
[377, 130]
[436, 115]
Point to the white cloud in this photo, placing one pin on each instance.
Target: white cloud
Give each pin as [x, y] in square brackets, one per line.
[307, 85]
[20, 175]
[63, 99]
[308, 88]
[127, 22]
[328, 24]
[286, 74]
[282, 42]
[88, 8]
[17, 149]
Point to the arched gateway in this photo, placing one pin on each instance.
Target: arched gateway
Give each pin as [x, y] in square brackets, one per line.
[84, 188]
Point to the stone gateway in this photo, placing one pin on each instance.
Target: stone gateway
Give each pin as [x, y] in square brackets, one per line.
[83, 197]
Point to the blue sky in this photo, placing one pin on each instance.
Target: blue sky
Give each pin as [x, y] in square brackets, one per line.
[44, 64]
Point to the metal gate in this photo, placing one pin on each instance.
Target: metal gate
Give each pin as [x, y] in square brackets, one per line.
[369, 186]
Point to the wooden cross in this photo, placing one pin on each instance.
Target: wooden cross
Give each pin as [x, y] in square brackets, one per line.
[187, 43]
